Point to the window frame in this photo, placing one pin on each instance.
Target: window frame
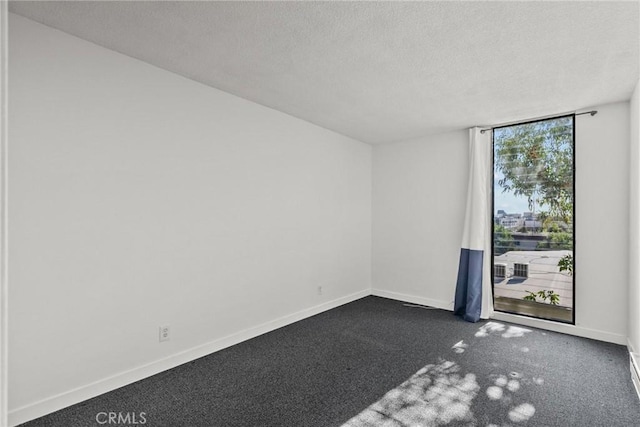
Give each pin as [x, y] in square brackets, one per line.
[573, 222]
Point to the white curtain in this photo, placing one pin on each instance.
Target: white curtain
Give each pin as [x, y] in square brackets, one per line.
[474, 299]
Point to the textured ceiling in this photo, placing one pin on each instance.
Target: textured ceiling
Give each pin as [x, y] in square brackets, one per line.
[378, 71]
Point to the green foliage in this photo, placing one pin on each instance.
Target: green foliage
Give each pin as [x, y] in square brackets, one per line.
[557, 241]
[502, 240]
[554, 298]
[552, 227]
[536, 161]
[566, 264]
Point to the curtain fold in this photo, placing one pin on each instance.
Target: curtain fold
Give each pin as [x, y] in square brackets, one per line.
[473, 297]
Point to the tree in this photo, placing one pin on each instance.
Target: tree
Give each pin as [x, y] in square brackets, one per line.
[536, 161]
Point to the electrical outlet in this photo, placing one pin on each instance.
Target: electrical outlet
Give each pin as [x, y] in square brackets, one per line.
[319, 290]
[164, 333]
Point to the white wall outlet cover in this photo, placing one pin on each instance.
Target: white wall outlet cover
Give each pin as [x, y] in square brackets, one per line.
[164, 333]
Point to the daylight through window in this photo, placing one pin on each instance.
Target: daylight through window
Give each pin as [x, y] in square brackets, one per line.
[533, 218]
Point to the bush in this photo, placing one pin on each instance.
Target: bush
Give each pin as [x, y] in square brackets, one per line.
[557, 241]
[502, 240]
[554, 299]
[566, 264]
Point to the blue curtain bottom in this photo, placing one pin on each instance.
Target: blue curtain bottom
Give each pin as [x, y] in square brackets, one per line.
[468, 302]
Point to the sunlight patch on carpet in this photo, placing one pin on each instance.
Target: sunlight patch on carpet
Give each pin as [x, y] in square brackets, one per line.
[459, 347]
[435, 395]
[440, 394]
[522, 413]
[499, 328]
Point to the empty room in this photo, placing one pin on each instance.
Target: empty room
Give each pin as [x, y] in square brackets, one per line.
[317, 214]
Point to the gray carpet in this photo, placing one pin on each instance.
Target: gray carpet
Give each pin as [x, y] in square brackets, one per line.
[378, 362]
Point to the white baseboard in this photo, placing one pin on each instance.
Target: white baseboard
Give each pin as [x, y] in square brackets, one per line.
[634, 366]
[445, 305]
[513, 318]
[564, 328]
[55, 403]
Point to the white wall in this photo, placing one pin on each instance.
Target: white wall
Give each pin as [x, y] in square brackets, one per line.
[4, 289]
[634, 225]
[602, 218]
[139, 198]
[419, 196]
[418, 207]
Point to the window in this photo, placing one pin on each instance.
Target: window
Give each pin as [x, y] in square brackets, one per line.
[533, 223]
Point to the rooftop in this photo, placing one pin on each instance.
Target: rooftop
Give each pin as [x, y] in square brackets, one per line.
[543, 275]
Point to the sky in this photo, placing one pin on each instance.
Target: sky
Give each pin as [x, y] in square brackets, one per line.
[507, 201]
